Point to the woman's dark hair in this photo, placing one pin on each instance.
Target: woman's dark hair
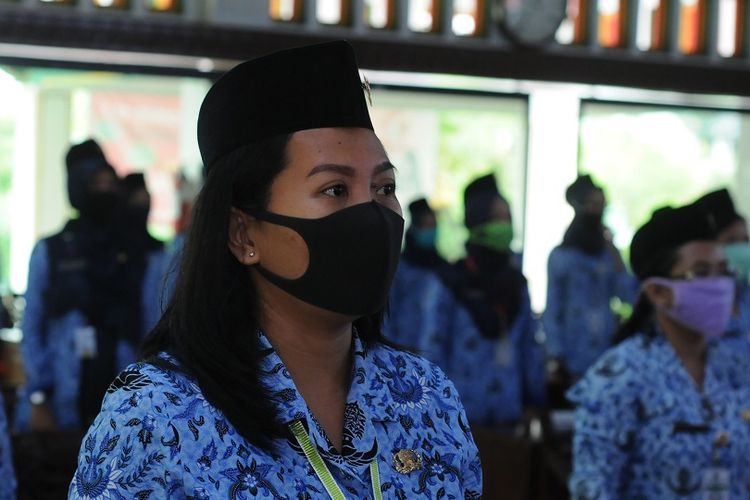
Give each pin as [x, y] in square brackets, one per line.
[211, 322]
[642, 318]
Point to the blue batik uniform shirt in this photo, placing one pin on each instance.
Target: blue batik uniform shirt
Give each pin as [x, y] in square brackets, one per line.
[420, 308]
[157, 437]
[51, 362]
[497, 377]
[643, 429]
[578, 320]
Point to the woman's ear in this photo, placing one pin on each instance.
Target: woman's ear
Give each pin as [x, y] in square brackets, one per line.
[240, 238]
[661, 296]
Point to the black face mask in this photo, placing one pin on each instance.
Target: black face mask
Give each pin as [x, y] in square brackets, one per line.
[101, 207]
[353, 256]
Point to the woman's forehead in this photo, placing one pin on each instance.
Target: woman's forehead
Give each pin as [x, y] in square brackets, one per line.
[334, 145]
[696, 252]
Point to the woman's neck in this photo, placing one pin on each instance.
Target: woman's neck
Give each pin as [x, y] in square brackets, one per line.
[317, 352]
[690, 347]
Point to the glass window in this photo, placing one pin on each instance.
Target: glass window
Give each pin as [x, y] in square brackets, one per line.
[648, 156]
[468, 17]
[692, 26]
[163, 5]
[612, 19]
[285, 10]
[380, 14]
[424, 16]
[332, 11]
[143, 123]
[111, 4]
[651, 27]
[440, 142]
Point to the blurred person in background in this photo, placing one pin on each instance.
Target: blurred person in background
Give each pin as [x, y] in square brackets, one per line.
[490, 351]
[660, 415]
[164, 266]
[82, 321]
[147, 252]
[733, 236]
[7, 473]
[585, 272]
[419, 301]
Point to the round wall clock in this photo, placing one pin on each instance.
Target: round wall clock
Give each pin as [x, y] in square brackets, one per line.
[530, 23]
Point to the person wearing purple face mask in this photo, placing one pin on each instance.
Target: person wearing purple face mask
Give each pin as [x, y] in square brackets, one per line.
[661, 415]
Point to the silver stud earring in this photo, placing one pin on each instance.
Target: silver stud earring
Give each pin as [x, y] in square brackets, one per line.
[251, 253]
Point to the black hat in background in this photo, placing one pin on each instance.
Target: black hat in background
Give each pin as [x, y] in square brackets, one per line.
[309, 87]
[668, 229]
[133, 182]
[82, 162]
[479, 196]
[720, 206]
[418, 208]
[577, 192]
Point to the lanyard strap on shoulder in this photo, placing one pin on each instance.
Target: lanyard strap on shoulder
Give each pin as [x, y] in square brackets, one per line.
[321, 469]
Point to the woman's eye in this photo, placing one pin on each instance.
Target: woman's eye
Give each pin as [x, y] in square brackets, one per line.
[387, 189]
[335, 191]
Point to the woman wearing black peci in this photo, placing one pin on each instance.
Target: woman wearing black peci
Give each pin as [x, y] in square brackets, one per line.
[267, 375]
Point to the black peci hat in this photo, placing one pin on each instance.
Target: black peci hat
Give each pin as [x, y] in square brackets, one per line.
[719, 204]
[668, 229]
[309, 87]
[82, 161]
[419, 207]
[478, 198]
[577, 192]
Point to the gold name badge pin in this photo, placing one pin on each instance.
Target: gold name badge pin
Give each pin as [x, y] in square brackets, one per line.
[745, 415]
[406, 461]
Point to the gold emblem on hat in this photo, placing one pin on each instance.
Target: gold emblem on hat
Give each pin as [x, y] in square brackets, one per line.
[745, 415]
[406, 461]
[367, 89]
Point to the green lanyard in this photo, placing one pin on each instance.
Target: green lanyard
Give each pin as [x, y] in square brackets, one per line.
[321, 470]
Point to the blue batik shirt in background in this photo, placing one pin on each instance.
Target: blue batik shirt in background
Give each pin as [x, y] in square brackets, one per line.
[7, 473]
[51, 361]
[643, 428]
[157, 437]
[420, 308]
[496, 377]
[578, 320]
[739, 324]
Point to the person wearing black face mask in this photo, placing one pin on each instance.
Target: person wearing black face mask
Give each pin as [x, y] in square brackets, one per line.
[81, 323]
[268, 375]
[585, 273]
[490, 351]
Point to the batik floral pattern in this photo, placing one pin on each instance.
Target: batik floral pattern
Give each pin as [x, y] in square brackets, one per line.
[158, 437]
[643, 429]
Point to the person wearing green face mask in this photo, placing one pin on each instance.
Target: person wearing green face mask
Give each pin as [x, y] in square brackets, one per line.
[733, 237]
[491, 351]
[585, 272]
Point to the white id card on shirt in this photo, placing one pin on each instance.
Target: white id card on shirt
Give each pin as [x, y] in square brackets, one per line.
[85, 342]
[504, 351]
[715, 485]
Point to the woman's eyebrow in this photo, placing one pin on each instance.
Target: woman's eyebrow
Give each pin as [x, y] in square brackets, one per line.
[347, 170]
[383, 167]
[332, 167]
